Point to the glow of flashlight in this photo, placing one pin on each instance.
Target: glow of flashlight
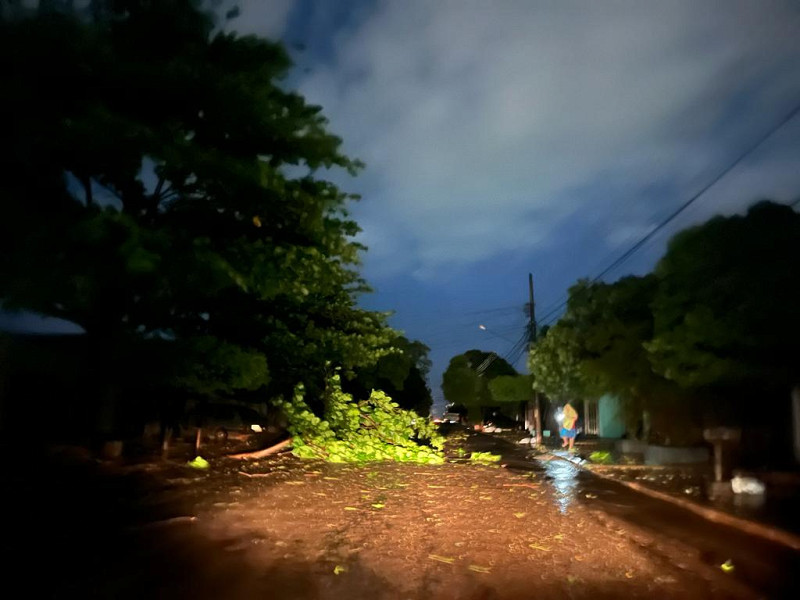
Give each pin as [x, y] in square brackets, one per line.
[482, 327]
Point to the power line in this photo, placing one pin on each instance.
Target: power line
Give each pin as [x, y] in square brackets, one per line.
[628, 253]
[493, 356]
[707, 187]
[546, 318]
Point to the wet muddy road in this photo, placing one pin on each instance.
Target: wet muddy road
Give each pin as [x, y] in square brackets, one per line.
[284, 528]
[766, 566]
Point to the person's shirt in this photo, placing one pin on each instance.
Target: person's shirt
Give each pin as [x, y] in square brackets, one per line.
[570, 416]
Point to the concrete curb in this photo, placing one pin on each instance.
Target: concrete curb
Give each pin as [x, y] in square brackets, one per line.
[768, 532]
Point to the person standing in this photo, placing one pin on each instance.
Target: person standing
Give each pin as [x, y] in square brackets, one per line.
[568, 426]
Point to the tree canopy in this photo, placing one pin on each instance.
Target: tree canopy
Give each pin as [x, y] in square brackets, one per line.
[725, 312]
[401, 374]
[467, 377]
[162, 187]
[714, 321]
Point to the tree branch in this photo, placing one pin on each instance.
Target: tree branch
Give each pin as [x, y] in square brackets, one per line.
[262, 453]
[155, 198]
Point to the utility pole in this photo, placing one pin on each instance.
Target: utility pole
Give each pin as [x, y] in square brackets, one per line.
[537, 416]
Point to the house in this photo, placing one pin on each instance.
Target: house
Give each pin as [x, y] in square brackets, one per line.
[603, 417]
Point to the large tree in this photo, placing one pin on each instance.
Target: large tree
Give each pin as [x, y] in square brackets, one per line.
[400, 373]
[511, 389]
[162, 189]
[598, 348]
[554, 363]
[726, 318]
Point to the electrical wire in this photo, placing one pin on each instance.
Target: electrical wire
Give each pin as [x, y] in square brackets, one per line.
[730, 167]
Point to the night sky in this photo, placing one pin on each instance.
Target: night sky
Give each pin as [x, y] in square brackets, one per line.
[505, 137]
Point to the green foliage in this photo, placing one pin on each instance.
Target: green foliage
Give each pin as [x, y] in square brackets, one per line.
[466, 380]
[601, 457]
[726, 307]
[555, 365]
[509, 389]
[484, 457]
[359, 431]
[162, 185]
[598, 347]
[714, 324]
[400, 373]
[211, 367]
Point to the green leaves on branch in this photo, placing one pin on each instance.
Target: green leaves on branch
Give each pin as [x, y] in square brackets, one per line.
[717, 319]
[466, 382]
[484, 457]
[159, 181]
[359, 431]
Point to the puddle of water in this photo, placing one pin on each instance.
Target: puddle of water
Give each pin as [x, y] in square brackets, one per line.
[563, 476]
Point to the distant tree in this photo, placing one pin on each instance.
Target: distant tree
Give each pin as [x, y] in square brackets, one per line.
[162, 188]
[726, 307]
[511, 389]
[714, 326]
[466, 380]
[554, 363]
[400, 373]
[460, 382]
[598, 348]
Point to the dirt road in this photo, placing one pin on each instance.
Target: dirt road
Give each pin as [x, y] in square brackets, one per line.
[288, 529]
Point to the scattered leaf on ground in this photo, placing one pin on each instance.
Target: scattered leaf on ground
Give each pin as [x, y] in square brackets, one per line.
[727, 566]
[198, 462]
[519, 515]
[479, 569]
[444, 559]
[339, 569]
[538, 547]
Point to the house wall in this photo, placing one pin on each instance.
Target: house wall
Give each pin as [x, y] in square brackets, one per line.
[609, 417]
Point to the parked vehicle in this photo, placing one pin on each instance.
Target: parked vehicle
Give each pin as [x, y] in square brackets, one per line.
[499, 420]
[221, 421]
[451, 417]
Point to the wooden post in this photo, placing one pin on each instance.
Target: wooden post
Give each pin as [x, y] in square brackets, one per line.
[537, 415]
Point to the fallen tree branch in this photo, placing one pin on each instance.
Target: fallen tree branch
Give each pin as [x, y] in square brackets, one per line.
[262, 453]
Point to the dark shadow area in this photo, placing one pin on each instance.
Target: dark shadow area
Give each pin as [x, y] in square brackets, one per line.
[765, 566]
[84, 530]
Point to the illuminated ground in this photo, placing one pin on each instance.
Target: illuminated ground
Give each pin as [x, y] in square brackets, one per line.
[287, 529]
